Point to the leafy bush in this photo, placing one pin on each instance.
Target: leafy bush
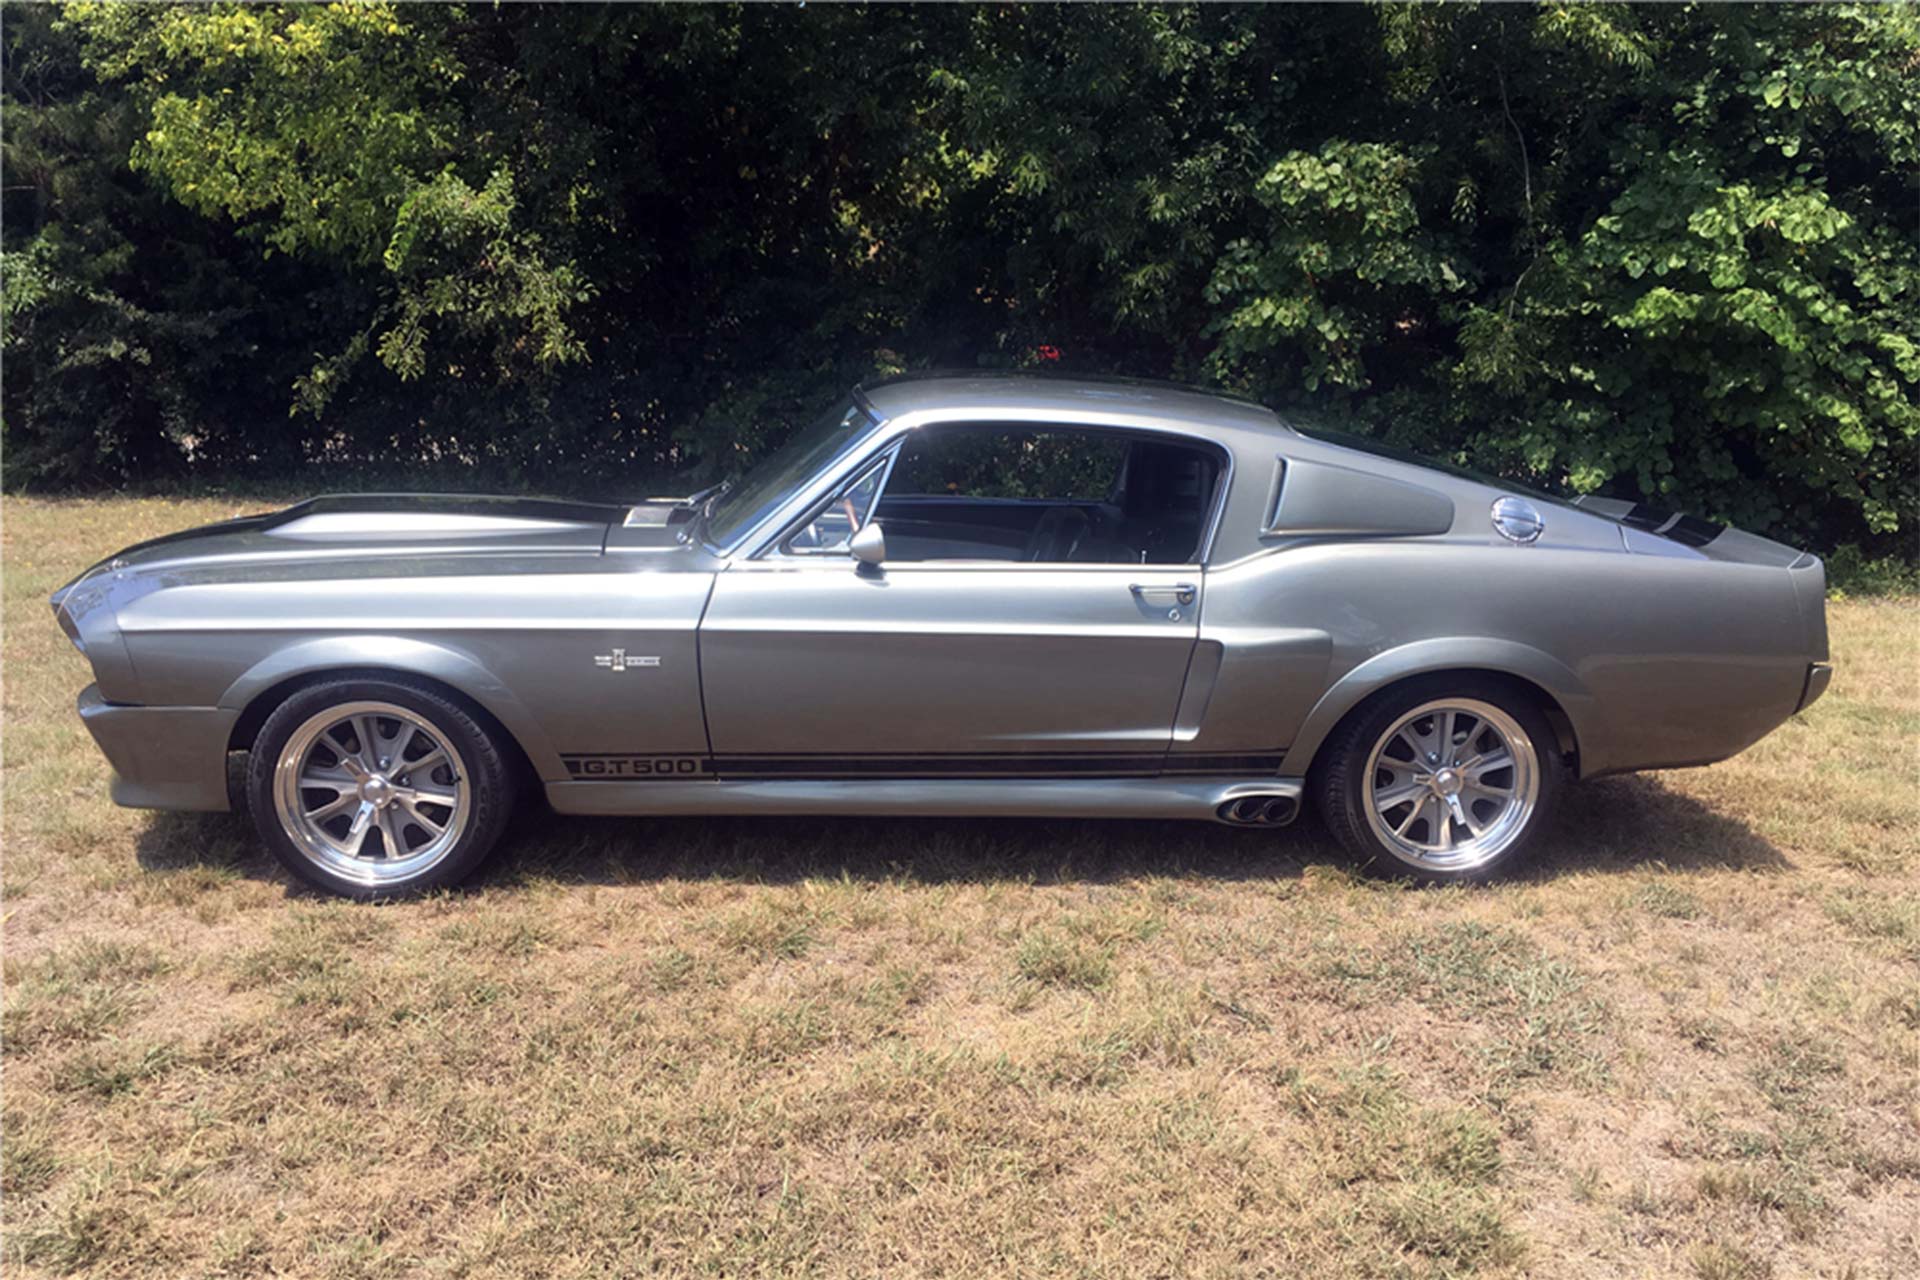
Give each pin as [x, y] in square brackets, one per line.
[1663, 252]
[1851, 572]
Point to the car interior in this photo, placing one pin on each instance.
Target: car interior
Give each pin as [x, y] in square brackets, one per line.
[1047, 496]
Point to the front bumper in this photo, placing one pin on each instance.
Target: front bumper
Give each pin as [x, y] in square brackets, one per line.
[162, 757]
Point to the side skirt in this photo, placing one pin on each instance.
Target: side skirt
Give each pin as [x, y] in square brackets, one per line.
[1202, 798]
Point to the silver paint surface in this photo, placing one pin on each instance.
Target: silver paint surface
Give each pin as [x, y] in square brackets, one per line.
[1326, 575]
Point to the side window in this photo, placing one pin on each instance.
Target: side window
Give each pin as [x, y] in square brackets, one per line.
[831, 530]
[1055, 466]
[1047, 496]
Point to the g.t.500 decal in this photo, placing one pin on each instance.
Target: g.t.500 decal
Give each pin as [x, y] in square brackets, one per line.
[624, 768]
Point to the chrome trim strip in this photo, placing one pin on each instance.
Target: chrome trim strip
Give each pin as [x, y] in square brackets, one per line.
[782, 562]
[1193, 798]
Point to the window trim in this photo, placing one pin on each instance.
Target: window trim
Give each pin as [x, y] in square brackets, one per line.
[774, 548]
[779, 548]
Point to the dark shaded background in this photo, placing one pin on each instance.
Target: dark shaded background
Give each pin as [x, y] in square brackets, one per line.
[1663, 252]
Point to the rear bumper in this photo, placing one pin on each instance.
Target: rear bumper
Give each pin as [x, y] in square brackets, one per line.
[162, 757]
[1819, 676]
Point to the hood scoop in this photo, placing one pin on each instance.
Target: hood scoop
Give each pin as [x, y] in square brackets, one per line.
[657, 513]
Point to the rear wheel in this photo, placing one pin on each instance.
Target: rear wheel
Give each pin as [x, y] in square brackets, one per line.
[378, 788]
[1442, 780]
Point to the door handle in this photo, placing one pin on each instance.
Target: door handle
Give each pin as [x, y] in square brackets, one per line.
[1178, 592]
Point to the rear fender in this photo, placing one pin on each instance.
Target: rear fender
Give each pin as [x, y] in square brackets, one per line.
[1475, 653]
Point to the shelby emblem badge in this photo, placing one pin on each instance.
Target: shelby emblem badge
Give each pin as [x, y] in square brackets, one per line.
[619, 661]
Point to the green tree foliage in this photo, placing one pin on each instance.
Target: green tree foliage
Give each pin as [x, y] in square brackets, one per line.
[1666, 251]
[138, 336]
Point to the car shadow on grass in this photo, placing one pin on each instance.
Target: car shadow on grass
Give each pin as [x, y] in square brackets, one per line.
[1612, 825]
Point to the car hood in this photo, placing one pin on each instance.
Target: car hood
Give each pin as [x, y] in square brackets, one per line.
[381, 532]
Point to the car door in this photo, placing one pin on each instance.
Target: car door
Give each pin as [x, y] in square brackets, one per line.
[815, 666]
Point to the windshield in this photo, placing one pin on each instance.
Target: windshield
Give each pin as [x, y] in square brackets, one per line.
[752, 497]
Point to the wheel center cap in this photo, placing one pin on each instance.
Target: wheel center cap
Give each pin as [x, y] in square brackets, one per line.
[1447, 782]
[376, 790]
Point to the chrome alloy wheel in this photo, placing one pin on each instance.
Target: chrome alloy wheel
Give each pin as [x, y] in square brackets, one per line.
[372, 792]
[1452, 784]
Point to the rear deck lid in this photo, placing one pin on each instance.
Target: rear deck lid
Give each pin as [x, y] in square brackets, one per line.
[1652, 530]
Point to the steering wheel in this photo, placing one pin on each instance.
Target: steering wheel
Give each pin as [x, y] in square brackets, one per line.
[1058, 535]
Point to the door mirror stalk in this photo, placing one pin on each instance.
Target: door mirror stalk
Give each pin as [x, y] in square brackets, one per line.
[869, 546]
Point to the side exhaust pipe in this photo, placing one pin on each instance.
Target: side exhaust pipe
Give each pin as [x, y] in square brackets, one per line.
[1259, 810]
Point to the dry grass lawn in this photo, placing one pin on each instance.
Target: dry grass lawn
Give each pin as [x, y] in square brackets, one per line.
[1687, 1043]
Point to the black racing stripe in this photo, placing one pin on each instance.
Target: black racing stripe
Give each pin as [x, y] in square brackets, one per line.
[949, 755]
[239, 524]
[925, 766]
[645, 766]
[1642, 516]
[1690, 531]
[1694, 531]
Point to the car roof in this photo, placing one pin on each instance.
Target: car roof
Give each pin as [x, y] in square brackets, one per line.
[1051, 396]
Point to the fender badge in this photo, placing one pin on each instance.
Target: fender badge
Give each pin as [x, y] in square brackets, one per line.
[619, 661]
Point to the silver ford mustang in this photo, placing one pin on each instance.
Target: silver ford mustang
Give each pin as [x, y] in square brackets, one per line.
[950, 595]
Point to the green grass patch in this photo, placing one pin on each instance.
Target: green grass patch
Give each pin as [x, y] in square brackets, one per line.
[1542, 1016]
[1054, 958]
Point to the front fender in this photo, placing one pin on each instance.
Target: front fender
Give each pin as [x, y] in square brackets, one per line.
[448, 664]
[1451, 653]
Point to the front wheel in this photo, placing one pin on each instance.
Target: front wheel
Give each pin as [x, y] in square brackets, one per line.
[1442, 781]
[377, 788]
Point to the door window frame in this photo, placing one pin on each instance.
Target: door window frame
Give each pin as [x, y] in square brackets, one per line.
[887, 453]
[780, 547]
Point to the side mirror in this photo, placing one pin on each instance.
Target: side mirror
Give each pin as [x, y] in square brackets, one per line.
[868, 544]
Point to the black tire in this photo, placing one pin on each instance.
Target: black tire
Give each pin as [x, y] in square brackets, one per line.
[488, 775]
[1340, 779]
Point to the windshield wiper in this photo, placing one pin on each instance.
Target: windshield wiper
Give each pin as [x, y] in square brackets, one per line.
[700, 497]
[702, 502]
